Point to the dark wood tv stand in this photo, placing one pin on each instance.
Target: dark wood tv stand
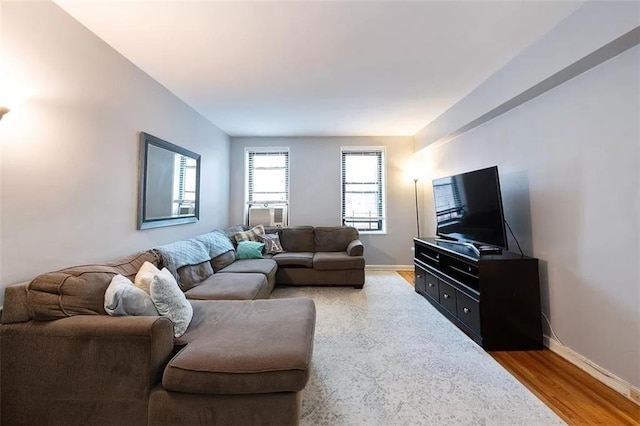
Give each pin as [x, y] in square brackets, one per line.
[494, 299]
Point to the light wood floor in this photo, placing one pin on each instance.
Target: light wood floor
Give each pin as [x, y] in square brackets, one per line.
[572, 394]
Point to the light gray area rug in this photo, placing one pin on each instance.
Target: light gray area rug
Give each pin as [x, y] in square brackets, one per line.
[384, 356]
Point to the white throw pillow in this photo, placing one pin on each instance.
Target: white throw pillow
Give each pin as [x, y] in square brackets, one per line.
[145, 276]
[171, 301]
[122, 298]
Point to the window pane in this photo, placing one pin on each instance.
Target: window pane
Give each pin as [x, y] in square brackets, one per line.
[190, 179]
[356, 187]
[361, 168]
[269, 181]
[269, 197]
[361, 205]
[263, 160]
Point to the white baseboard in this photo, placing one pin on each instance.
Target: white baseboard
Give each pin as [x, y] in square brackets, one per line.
[594, 370]
[388, 267]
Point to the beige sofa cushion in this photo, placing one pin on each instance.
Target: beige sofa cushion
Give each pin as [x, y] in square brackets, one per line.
[80, 290]
[244, 347]
[334, 238]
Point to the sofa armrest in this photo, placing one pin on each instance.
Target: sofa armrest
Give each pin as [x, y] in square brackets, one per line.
[355, 248]
[85, 369]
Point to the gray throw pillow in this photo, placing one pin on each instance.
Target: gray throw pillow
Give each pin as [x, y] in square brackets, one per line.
[171, 301]
[272, 243]
[122, 298]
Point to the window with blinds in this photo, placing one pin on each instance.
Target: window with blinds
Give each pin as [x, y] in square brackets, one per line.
[184, 185]
[362, 183]
[447, 198]
[268, 176]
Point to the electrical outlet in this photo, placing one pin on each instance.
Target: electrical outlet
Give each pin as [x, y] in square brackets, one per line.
[635, 395]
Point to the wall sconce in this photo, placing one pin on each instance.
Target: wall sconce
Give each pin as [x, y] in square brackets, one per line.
[3, 111]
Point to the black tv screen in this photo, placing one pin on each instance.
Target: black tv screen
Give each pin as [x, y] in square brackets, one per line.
[469, 207]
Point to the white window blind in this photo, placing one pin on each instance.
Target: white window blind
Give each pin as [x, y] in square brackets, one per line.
[268, 176]
[362, 182]
[447, 198]
[184, 185]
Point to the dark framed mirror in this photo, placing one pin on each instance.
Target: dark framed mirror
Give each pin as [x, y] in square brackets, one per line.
[169, 186]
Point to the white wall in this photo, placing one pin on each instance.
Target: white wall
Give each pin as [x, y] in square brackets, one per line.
[315, 189]
[569, 170]
[69, 176]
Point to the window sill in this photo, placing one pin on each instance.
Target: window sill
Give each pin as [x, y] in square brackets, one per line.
[372, 232]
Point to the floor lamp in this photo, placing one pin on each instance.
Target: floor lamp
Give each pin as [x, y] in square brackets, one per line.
[415, 187]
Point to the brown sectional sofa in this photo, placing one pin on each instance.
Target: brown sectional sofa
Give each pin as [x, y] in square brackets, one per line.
[242, 360]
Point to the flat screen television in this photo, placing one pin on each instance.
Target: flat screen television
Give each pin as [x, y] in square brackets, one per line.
[469, 208]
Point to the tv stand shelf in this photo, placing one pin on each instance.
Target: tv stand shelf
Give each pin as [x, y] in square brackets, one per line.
[494, 299]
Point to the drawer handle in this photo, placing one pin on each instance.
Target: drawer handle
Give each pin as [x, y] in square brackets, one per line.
[419, 276]
[430, 284]
[446, 296]
[465, 310]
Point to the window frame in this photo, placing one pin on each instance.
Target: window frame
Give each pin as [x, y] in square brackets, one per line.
[382, 184]
[248, 152]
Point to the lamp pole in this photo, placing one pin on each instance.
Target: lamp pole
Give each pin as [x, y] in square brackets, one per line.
[415, 187]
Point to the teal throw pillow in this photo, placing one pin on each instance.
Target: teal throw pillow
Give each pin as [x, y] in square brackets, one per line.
[249, 250]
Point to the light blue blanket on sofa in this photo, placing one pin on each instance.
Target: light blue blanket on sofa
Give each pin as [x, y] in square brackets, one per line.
[193, 251]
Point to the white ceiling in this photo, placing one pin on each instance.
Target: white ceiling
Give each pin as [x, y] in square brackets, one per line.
[320, 68]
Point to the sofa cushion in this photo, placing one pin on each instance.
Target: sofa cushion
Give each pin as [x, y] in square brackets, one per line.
[192, 275]
[336, 260]
[80, 290]
[262, 266]
[303, 259]
[334, 238]
[224, 260]
[223, 286]
[244, 347]
[297, 238]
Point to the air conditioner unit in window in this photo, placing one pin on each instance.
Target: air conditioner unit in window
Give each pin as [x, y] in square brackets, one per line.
[268, 216]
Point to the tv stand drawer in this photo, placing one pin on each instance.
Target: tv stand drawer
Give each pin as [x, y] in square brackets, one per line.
[448, 297]
[468, 311]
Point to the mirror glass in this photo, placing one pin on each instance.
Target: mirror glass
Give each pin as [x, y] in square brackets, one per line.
[169, 184]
